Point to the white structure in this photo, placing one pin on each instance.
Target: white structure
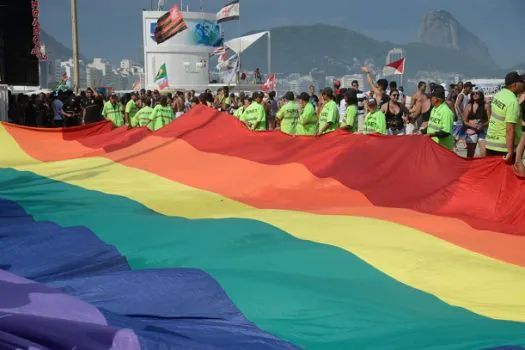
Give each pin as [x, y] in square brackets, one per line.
[186, 55]
[238, 45]
[94, 76]
[101, 64]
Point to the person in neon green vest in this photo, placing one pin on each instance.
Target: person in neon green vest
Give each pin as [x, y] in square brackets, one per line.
[307, 124]
[350, 119]
[131, 108]
[255, 116]
[504, 132]
[112, 111]
[441, 123]
[143, 116]
[329, 116]
[245, 102]
[288, 114]
[375, 120]
[161, 115]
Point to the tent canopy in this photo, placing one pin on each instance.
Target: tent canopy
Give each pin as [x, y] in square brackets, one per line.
[240, 44]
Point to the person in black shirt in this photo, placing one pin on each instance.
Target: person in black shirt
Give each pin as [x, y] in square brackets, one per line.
[30, 111]
[314, 100]
[72, 111]
[92, 107]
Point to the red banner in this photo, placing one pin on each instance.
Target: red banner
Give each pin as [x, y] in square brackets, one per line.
[37, 50]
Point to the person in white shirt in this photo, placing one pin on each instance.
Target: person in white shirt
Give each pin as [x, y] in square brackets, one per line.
[58, 111]
[342, 106]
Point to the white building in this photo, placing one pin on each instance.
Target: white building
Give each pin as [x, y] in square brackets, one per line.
[94, 76]
[126, 64]
[186, 55]
[318, 78]
[101, 64]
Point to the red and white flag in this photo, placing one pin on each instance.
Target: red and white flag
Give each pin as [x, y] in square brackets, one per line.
[221, 52]
[169, 24]
[229, 12]
[270, 84]
[396, 67]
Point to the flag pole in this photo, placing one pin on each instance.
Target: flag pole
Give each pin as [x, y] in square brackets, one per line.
[269, 53]
[74, 29]
[240, 49]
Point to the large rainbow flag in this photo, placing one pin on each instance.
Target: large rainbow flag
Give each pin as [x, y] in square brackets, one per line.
[204, 235]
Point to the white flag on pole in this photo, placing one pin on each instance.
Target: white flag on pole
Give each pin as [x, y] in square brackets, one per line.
[229, 12]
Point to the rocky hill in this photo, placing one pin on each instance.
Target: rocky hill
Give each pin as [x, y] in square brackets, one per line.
[339, 51]
[54, 49]
[441, 29]
[520, 67]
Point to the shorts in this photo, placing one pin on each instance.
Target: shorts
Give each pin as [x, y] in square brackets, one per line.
[476, 137]
[459, 130]
[410, 129]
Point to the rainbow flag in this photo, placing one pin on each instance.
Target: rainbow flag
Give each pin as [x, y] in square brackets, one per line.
[206, 235]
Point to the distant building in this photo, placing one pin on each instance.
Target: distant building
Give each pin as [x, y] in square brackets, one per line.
[329, 81]
[126, 64]
[94, 76]
[101, 64]
[346, 81]
[318, 78]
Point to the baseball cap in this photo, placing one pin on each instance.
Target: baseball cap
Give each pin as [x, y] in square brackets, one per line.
[371, 101]
[476, 89]
[304, 97]
[468, 84]
[289, 96]
[514, 77]
[438, 91]
[257, 94]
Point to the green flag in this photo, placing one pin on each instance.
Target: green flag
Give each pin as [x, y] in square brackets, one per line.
[161, 79]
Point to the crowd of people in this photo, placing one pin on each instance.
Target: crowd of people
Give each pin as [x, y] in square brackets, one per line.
[451, 115]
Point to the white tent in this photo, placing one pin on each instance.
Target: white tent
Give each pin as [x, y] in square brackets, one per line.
[238, 45]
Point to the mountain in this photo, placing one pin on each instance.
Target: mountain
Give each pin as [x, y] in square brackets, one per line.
[340, 51]
[520, 67]
[56, 50]
[441, 29]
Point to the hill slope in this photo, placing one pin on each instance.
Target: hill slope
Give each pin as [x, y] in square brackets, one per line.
[54, 49]
[441, 29]
[341, 51]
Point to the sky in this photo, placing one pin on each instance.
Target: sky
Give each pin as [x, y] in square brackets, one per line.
[113, 28]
